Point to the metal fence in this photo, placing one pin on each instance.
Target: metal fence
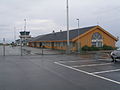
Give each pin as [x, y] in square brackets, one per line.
[9, 50]
[25, 50]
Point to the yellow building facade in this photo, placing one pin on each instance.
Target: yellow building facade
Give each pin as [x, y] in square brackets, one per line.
[88, 36]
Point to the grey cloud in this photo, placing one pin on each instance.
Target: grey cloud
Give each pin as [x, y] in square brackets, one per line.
[106, 12]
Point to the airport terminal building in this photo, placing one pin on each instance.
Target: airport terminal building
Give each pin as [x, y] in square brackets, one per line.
[87, 36]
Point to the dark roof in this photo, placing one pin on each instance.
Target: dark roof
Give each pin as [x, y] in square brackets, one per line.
[61, 36]
[35, 38]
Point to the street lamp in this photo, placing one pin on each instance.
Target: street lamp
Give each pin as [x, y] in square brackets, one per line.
[78, 22]
[68, 42]
[78, 36]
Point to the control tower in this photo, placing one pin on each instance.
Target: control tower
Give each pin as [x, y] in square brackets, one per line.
[24, 36]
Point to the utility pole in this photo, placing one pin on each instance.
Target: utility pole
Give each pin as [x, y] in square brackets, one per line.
[78, 36]
[68, 42]
[15, 34]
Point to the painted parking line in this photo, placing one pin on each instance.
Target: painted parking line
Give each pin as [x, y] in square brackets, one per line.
[67, 61]
[82, 60]
[91, 65]
[106, 71]
[76, 61]
[92, 74]
[105, 59]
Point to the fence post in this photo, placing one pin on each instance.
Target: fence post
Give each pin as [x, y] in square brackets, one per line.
[21, 45]
[3, 46]
[42, 50]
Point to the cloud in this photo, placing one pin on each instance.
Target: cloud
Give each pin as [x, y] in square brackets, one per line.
[39, 26]
[44, 16]
[40, 21]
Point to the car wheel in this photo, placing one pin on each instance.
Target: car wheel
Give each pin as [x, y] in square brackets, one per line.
[113, 59]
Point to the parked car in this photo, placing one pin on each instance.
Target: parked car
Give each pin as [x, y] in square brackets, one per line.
[115, 55]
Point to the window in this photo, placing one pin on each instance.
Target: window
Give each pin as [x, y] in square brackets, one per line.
[94, 44]
[64, 44]
[61, 44]
[97, 40]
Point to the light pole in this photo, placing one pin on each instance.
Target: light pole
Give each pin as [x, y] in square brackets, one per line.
[25, 31]
[78, 22]
[68, 42]
[78, 38]
[15, 34]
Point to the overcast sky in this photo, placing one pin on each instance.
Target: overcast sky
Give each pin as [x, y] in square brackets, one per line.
[44, 16]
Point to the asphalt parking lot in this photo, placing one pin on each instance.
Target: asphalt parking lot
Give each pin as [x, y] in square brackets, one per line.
[58, 72]
[101, 68]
